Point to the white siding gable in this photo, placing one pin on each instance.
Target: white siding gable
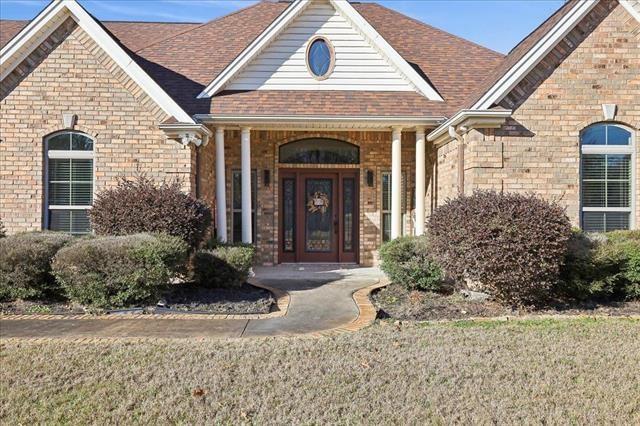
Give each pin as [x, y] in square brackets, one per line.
[358, 64]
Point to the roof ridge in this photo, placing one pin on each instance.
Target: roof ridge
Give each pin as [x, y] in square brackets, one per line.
[242, 9]
[424, 24]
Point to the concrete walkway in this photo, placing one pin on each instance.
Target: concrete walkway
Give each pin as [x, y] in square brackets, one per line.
[320, 300]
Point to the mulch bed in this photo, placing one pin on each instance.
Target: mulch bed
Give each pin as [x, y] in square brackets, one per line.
[398, 303]
[185, 298]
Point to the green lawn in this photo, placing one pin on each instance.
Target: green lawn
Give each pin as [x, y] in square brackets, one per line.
[573, 371]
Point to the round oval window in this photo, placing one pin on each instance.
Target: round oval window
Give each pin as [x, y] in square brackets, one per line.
[319, 57]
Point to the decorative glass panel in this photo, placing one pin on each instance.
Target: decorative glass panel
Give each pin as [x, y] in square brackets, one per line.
[386, 227]
[386, 205]
[319, 151]
[236, 203]
[289, 214]
[319, 215]
[319, 57]
[348, 191]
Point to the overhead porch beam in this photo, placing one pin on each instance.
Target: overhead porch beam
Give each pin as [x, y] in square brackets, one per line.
[320, 122]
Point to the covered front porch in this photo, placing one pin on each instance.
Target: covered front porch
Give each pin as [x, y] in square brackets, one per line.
[317, 189]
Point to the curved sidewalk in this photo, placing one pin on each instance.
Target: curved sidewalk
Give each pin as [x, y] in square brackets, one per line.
[324, 299]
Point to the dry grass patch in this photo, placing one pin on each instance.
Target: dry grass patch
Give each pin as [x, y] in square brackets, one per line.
[554, 372]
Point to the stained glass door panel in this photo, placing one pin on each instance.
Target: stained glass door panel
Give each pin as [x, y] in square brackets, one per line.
[319, 220]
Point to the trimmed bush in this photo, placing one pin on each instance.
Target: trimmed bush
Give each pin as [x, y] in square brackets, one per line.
[407, 261]
[25, 270]
[225, 266]
[602, 267]
[3, 232]
[141, 205]
[119, 271]
[510, 245]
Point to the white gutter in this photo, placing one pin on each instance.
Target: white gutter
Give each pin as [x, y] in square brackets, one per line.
[466, 114]
[376, 121]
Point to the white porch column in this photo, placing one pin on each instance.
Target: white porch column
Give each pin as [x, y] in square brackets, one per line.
[421, 177]
[221, 187]
[245, 154]
[396, 182]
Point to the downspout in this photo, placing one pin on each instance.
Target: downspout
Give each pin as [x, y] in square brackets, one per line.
[455, 134]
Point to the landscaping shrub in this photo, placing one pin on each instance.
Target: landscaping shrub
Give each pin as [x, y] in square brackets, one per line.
[141, 205]
[25, 271]
[407, 261]
[602, 267]
[3, 232]
[224, 266]
[119, 271]
[510, 245]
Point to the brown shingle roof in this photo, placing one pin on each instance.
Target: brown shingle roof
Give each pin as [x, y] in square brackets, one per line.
[453, 65]
[134, 35]
[354, 103]
[184, 58]
[518, 53]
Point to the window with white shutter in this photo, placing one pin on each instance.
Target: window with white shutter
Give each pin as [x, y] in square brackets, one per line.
[69, 182]
[607, 178]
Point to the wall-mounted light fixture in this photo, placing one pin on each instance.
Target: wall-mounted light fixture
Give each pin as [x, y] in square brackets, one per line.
[370, 178]
[266, 178]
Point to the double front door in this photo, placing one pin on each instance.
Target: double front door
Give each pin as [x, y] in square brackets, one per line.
[319, 216]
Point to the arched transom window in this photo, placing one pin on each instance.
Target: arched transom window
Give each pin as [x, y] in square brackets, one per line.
[69, 182]
[607, 178]
[319, 151]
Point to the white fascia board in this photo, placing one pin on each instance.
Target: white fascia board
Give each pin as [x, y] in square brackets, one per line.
[11, 54]
[255, 47]
[102, 39]
[322, 120]
[520, 70]
[633, 7]
[466, 114]
[176, 127]
[344, 7]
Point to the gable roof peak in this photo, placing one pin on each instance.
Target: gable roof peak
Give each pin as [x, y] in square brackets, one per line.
[51, 17]
[293, 11]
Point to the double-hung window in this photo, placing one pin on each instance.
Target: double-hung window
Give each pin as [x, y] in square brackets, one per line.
[386, 205]
[236, 204]
[69, 182]
[607, 178]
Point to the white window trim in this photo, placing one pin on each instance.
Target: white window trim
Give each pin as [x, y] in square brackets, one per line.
[614, 150]
[61, 154]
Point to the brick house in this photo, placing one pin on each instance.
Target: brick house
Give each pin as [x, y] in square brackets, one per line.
[317, 129]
